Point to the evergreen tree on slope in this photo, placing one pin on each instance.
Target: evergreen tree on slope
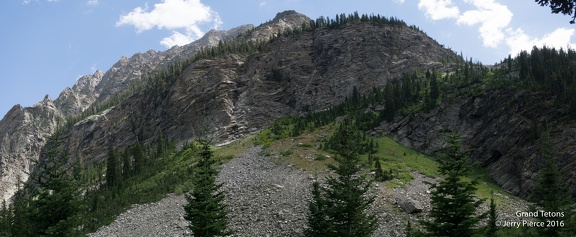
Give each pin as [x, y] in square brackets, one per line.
[55, 208]
[453, 201]
[205, 209]
[339, 209]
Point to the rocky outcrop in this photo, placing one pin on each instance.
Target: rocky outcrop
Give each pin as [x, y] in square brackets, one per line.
[73, 101]
[235, 95]
[229, 96]
[23, 133]
[504, 129]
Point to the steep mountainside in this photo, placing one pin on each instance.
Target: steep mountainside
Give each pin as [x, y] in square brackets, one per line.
[23, 131]
[505, 130]
[238, 94]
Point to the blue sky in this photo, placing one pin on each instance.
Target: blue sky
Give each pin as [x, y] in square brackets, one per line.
[48, 44]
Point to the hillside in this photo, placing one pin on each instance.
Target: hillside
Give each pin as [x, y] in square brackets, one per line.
[289, 78]
[269, 189]
[229, 96]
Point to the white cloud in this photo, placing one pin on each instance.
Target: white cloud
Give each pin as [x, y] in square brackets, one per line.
[25, 2]
[399, 1]
[493, 17]
[93, 3]
[518, 40]
[493, 20]
[183, 17]
[438, 9]
[177, 38]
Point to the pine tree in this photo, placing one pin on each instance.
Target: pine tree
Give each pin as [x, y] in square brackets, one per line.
[453, 202]
[112, 168]
[206, 209]
[408, 231]
[55, 208]
[126, 164]
[21, 226]
[379, 175]
[550, 193]
[434, 90]
[139, 158]
[5, 219]
[492, 228]
[318, 223]
[343, 201]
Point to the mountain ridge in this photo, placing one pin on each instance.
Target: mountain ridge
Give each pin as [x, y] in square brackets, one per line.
[225, 96]
[23, 130]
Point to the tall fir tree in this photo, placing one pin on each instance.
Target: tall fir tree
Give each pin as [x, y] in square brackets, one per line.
[5, 219]
[206, 209]
[55, 208]
[113, 169]
[139, 158]
[343, 203]
[454, 204]
[379, 174]
[492, 227]
[318, 222]
[20, 225]
[551, 194]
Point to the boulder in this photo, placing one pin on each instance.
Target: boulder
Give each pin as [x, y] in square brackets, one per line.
[412, 206]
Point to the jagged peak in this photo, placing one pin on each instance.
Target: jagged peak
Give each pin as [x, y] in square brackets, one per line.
[98, 73]
[47, 101]
[47, 98]
[12, 113]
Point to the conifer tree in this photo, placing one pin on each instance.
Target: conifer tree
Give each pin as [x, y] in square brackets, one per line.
[434, 90]
[492, 228]
[20, 225]
[408, 231]
[112, 168]
[379, 175]
[5, 219]
[139, 158]
[126, 164]
[206, 209]
[550, 193]
[453, 201]
[343, 203]
[318, 223]
[55, 208]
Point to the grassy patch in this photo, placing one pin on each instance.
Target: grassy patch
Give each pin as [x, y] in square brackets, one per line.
[402, 160]
[286, 152]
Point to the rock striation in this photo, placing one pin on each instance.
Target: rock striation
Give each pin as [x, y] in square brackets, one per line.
[505, 130]
[226, 97]
[233, 95]
[23, 131]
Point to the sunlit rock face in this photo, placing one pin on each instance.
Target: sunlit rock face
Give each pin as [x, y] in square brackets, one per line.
[222, 98]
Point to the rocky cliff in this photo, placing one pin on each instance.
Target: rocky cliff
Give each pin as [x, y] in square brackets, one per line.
[23, 131]
[238, 94]
[504, 129]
